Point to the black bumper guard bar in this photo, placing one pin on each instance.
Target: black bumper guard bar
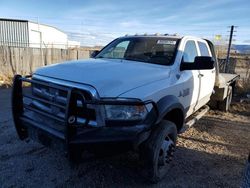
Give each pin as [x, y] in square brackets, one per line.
[18, 107]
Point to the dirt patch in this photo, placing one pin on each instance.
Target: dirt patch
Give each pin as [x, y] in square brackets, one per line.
[210, 154]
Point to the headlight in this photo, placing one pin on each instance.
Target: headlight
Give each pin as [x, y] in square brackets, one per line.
[125, 112]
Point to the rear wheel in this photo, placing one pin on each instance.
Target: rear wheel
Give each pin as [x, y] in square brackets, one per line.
[157, 151]
[225, 104]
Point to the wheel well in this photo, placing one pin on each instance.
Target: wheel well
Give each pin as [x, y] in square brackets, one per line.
[176, 116]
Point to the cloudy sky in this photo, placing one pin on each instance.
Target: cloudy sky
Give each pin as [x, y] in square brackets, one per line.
[97, 22]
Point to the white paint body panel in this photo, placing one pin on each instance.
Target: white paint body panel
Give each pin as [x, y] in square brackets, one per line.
[207, 80]
[111, 78]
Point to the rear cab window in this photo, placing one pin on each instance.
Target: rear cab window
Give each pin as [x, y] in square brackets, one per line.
[203, 49]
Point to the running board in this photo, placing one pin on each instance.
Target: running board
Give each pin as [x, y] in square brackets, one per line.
[194, 118]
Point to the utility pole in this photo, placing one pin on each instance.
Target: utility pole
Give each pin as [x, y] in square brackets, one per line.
[229, 48]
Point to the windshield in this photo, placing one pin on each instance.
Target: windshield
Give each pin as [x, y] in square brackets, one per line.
[156, 50]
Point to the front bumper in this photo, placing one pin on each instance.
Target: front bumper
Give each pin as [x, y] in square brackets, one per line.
[42, 126]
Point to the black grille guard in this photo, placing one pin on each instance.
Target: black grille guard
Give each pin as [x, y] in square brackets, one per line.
[18, 107]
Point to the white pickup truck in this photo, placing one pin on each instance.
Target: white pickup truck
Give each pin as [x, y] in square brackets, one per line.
[138, 90]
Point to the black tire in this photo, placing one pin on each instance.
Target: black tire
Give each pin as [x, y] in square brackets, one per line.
[225, 104]
[157, 151]
[213, 104]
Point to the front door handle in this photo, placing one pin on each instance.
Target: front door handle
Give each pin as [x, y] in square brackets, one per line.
[200, 75]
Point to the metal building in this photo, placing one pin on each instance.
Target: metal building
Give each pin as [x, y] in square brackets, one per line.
[14, 33]
[24, 33]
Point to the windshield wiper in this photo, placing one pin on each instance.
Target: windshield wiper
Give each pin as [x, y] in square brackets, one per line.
[136, 59]
[132, 59]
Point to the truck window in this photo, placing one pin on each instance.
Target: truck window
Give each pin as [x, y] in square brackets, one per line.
[155, 50]
[190, 52]
[118, 51]
[203, 49]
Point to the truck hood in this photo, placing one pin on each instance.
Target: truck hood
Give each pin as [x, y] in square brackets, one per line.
[110, 77]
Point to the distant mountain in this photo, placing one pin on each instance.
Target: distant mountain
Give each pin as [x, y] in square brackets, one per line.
[244, 49]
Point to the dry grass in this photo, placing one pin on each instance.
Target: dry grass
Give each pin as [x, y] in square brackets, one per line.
[6, 80]
[243, 86]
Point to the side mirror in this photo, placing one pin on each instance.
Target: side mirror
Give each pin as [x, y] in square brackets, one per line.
[94, 53]
[200, 63]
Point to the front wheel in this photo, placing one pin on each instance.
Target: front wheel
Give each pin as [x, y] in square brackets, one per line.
[157, 151]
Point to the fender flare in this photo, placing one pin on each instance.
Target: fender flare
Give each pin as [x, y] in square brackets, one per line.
[166, 105]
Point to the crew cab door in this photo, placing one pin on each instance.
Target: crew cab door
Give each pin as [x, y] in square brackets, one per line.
[207, 76]
[192, 84]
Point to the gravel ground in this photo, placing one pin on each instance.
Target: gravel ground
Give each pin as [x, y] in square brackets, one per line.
[213, 153]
